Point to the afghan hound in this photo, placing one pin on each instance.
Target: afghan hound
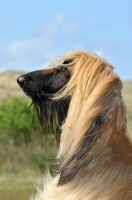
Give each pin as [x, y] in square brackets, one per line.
[80, 95]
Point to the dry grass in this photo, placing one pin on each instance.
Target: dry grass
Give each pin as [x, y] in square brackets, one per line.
[21, 185]
[127, 95]
[8, 85]
[9, 88]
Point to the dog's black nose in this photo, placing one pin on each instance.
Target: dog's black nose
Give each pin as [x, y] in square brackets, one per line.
[21, 80]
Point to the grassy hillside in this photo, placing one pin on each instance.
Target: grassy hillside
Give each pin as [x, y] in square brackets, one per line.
[9, 88]
[127, 96]
[8, 85]
[25, 152]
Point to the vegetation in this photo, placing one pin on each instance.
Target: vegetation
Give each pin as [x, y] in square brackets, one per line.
[127, 96]
[22, 142]
[25, 151]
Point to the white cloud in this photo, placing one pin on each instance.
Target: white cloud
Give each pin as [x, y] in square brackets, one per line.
[53, 26]
[99, 52]
[59, 24]
[79, 46]
[71, 27]
[18, 47]
[46, 42]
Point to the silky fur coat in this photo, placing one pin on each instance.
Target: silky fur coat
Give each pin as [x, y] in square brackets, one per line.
[95, 155]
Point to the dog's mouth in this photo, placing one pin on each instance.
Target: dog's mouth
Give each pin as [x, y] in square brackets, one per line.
[38, 90]
[36, 94]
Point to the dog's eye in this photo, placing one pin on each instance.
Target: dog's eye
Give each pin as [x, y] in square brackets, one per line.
[66, 62]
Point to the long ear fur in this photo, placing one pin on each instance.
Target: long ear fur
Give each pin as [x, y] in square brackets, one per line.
[96, 115]
[68, 171]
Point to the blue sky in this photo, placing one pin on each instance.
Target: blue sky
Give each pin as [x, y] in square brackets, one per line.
[33, 31]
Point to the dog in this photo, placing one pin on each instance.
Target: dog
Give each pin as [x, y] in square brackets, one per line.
[80, 96]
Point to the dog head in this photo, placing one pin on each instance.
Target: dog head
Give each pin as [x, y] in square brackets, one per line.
[42, 85]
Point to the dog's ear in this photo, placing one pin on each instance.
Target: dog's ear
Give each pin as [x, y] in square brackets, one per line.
[97, 124]
[78, 161]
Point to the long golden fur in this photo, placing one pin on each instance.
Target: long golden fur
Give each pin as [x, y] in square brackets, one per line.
[95, 155]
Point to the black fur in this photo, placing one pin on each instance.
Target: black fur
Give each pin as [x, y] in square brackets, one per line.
[52, 113]
[41, 86]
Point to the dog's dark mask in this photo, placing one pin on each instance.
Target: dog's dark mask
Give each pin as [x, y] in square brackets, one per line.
[41, 86]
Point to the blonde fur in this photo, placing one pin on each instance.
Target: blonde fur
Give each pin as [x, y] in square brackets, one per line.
[105, 171]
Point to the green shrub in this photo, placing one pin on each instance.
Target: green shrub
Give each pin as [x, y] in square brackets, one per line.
[22, 142]
[16, 121]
